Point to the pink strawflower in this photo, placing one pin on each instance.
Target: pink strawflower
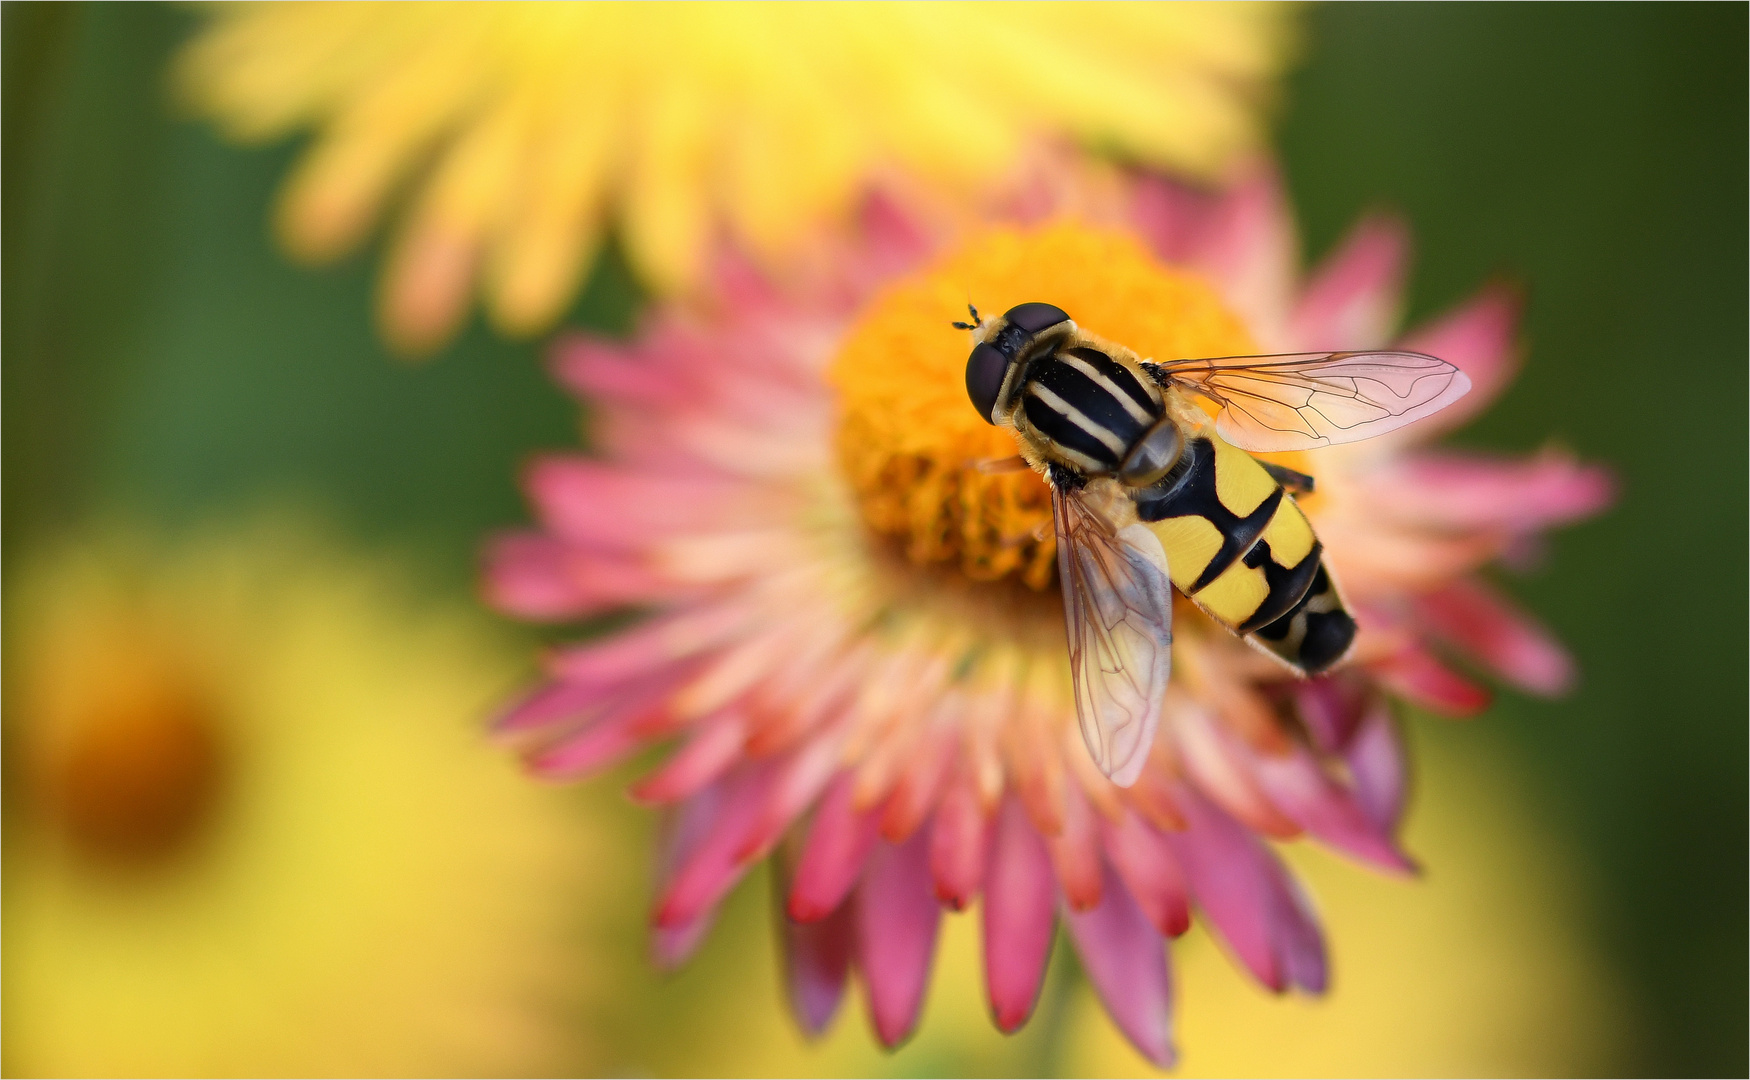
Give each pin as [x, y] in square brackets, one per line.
[852, 632]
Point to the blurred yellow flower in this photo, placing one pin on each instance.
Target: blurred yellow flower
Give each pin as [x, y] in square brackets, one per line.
[516, 129]
[251, 829]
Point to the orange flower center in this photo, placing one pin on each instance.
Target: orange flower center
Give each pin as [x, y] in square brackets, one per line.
[123, 744]
[910, 443]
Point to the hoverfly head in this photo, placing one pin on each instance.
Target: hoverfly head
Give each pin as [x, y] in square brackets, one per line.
[989, 368]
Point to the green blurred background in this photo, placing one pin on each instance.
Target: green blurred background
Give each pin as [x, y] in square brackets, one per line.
[161, 357]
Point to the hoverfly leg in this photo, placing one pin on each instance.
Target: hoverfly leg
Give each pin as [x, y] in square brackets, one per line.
[1297, 483]
[1064, 478]
[993, 466]
[1156, 372]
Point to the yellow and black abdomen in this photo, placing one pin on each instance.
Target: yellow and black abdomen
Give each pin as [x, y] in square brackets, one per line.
[1239, 546]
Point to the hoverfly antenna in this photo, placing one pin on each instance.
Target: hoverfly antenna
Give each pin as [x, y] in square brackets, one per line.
[974, 324]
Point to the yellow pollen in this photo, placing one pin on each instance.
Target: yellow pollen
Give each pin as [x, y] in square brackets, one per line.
[909, 441]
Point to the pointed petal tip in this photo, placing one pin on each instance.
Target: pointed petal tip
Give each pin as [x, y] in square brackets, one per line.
[672, 946]
[804, 911]
[1352, 298]
[833, 856]
[1083, 902]
[893, 1037]
[547, 773]
[952, 901]
[817, 965]
[1011, 1018]
[1489, 627]
[1019, 915]
[666, 915]
[898, 921]
[1126, 963]
[1397, 863]
[1160, 1052]
[645, 793]
[1417, 676]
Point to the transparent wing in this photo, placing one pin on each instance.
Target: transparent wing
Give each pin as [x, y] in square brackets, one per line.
[1297, 401]
[1118, 611]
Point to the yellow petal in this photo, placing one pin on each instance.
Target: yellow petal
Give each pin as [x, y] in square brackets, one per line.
[690, 124]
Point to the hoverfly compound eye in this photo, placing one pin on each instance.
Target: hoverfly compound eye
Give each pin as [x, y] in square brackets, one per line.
[1035, 317]
[985, 370]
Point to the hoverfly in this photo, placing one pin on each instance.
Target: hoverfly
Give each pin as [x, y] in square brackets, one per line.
[1149, 494]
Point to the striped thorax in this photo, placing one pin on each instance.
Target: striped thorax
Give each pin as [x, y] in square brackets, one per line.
[1078, 402]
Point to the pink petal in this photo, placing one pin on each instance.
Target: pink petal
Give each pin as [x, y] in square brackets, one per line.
[598, 505]
[893, 239]
[523, 574]
[549, 704]
[1325, 809]
[1353, 298]
[1150, 872]
[1152, 797]
[1249, 897]
[1251, 250]
[614, 727]
[915, 793]
[595, 369]
[817, 959]
[833, 677]
[1075, 852]
[838, 843]
[959, 839]
[1382, 560]
[1127, 964]
[1413, 673]
[1329, 707]
[738, 282]
[1221, 768]
[1482, 623]
[600, 746]
[1450, 490]
[534, 576]
[684, 829]
[648, 647]
[1242, 238]
[1037, 774]
[1376, 765]
[715, 746]
[1172, 217]
[1479, 338]
[795, 784]
[1019, 915]
[711, 868]
[672, 946]
[897, 917]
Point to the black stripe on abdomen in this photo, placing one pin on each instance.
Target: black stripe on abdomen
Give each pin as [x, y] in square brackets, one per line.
[1316, 632]
[1189, 490]
[1288, 584]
